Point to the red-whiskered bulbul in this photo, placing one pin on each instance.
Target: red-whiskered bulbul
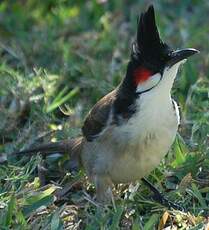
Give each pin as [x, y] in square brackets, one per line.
[128, 132]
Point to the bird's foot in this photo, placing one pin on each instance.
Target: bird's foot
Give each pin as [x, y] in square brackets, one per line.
[159, 197]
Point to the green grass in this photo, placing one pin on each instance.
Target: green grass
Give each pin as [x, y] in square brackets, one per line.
[57, 59]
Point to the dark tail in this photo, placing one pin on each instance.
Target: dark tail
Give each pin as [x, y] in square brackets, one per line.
[45, 149]
[71, 146]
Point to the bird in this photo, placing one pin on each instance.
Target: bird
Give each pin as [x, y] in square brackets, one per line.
[129, 131]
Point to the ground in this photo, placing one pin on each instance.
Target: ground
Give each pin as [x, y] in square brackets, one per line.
[57, 59]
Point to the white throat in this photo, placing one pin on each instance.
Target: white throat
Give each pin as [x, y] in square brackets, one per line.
[168, 78]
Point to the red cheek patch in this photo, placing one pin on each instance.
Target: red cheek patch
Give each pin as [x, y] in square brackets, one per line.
[141, 74]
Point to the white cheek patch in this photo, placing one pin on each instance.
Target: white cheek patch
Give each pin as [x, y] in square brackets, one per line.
[149, 83]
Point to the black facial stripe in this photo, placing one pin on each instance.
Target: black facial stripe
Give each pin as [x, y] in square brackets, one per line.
[147, 90]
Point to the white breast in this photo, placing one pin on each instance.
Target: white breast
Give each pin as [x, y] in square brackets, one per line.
[132, 150]
[145, 139]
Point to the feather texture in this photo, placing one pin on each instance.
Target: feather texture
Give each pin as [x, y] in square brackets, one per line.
[149, 49]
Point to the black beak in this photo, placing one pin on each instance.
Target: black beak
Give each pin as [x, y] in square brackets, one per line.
[180, 55]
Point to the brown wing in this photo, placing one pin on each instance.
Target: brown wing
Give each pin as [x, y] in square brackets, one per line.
[97, 118]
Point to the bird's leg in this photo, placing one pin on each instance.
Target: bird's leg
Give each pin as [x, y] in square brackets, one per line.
[42, 172]
[159, 197]
[104, 189]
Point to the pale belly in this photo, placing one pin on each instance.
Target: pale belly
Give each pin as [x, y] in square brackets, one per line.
[127, 161]
[145, 141]
[129, 152]
[137, 161]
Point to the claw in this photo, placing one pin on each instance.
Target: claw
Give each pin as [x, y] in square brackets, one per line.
[159, 197]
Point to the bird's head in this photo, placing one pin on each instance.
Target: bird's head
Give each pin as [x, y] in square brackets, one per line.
[152, 60]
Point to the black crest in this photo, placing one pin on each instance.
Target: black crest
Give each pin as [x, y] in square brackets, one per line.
[148, 48]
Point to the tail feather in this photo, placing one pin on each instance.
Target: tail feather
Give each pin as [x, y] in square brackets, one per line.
[71, 146]
[45, 149]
